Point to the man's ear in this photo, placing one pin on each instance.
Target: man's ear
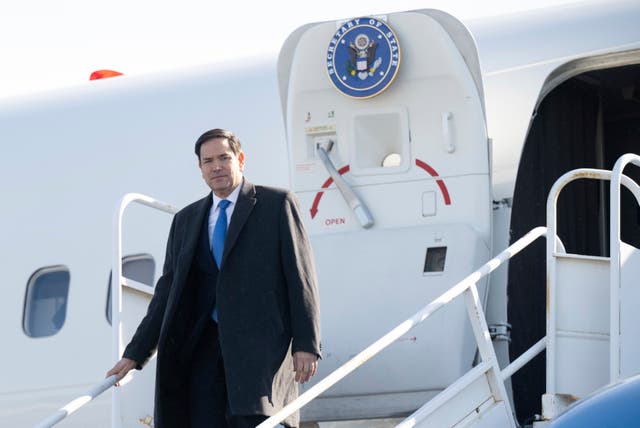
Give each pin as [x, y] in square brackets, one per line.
[241, 160]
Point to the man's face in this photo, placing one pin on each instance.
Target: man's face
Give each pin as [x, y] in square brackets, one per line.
[221, 168]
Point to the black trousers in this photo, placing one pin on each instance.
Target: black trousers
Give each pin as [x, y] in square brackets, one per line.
[207, 387]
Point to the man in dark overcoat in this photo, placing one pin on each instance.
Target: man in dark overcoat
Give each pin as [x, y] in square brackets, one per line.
[235, 328]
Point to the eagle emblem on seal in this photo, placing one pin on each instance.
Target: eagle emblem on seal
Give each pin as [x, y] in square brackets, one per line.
[363, 57]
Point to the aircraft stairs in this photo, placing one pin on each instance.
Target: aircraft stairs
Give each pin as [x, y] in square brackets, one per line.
[591, 340]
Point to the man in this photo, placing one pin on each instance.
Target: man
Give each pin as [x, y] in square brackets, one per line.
[235, 314]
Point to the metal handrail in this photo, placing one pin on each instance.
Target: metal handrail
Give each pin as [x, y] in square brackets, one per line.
[117, 281]
[75, 404]
[616, 177]
[614, 272]
[117, 346]
[407, 325]
[552, 199]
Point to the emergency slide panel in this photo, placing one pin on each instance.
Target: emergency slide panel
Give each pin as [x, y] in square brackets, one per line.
[389, 159]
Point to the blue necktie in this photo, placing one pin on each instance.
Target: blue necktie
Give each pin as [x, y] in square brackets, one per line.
[217, 240]
[220, 232]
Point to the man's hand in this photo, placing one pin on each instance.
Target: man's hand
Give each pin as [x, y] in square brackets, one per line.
[305, 365]
[121, 369]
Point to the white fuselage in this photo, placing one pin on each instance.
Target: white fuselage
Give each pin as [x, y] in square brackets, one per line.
[70, 155]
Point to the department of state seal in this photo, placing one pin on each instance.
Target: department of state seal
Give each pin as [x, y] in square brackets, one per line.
[363, 57]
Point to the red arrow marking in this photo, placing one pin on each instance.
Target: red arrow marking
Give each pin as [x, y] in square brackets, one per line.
[433, 173]
[314, 207]
[316, 201]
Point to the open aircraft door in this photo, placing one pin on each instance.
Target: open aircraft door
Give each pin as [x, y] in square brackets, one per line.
[390, 161]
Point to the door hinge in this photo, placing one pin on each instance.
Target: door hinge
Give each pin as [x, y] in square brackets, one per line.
[500, 331]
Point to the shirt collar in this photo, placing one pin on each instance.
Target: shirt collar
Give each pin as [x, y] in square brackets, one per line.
[233, 197]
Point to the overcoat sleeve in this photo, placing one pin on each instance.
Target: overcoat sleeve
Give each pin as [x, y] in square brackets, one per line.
[299, 271]
[145, 339]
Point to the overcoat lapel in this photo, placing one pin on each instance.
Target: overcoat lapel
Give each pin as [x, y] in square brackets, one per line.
[245, 203]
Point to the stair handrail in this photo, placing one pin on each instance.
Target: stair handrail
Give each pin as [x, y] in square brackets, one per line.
[552, 199]
[402, 328]
[117, 281]
[75, 404]
[117, 345]
[394, 334]
[614, 237]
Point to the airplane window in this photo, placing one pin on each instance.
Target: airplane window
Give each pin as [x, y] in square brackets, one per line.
[45, 306]
[138, 267]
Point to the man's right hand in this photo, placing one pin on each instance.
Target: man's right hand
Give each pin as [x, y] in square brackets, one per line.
[121, 369]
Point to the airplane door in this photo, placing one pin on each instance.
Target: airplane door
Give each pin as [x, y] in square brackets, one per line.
[389, 159]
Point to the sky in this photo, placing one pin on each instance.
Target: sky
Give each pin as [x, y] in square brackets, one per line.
[48, 44]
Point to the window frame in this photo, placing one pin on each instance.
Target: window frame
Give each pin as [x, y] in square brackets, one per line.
[27, 307]
[127, 259]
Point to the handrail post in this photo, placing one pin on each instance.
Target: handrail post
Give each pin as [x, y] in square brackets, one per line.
[614, 270]
[581, 173]
[116, 301]
[485, 346]
[402, 328]
[116, 308]
[117, 346]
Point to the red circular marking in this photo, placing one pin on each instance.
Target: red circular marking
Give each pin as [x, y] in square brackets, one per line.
[316, 201]
[440, 183]
[421, 164]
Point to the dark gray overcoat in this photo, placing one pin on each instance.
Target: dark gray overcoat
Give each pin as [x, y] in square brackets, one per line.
[267, 303]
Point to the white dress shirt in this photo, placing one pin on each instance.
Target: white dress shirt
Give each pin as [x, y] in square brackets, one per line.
[213, 214]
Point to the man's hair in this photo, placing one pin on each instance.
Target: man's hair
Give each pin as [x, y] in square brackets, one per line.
[234, 142]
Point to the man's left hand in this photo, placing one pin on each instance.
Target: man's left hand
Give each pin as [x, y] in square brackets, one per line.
[305, 365]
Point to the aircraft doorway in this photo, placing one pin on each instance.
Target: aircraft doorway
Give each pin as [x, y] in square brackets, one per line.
[587, 121]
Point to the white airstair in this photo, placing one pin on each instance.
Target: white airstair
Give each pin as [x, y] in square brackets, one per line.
[592, 327]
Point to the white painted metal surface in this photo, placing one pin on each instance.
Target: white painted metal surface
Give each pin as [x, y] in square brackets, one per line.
[476, 317]
[359, 208]
[625, 292]
[138, 296]
[74, 405]
[454, 404]
[156, 118]
[523, 359]
[91, 145]
[478, 398]
[582, 302]
[435, 195]
[520, 53]
[582, 323]
[629, 314]
[134, 404]
[581, 332]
